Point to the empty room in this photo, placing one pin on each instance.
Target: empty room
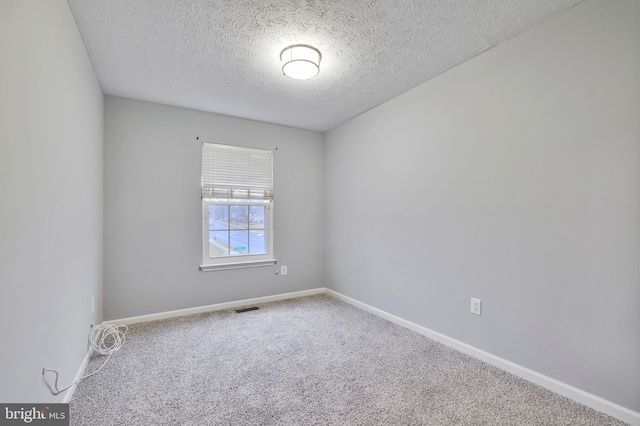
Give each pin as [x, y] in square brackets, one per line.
[320, 212]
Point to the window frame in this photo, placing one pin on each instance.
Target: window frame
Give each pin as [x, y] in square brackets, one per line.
[236, 175]
[241, 260]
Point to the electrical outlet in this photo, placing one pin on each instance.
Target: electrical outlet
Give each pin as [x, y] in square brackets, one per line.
[93, 303]
[476, 306]
[283, 270]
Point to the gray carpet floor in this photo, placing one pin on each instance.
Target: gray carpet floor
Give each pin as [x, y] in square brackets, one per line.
[307, 361]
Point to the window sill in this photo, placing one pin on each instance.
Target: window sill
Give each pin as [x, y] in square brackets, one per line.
[237, 265]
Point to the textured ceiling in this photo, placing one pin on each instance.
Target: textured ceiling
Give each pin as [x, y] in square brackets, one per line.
[222, 56]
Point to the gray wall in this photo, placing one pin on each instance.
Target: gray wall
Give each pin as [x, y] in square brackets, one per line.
[153, 209]
[511, 178]
[637, 16]
[51, 127]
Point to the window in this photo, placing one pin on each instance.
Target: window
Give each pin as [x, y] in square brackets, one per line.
[237, 207]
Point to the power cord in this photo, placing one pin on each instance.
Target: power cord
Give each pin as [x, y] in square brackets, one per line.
[104, 339]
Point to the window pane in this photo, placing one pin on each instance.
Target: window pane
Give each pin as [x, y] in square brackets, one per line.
[237, 230]
[218, 217]
[239, 241]
[256, 217]
[239, 217]
[218, 243]
[256, 242]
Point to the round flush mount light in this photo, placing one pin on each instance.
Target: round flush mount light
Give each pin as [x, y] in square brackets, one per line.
[300, 61]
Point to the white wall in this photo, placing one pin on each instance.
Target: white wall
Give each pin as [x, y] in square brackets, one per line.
[511, 178]
[51, 127]
[153, 209]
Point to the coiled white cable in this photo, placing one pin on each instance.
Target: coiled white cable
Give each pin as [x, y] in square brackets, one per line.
[104, 339]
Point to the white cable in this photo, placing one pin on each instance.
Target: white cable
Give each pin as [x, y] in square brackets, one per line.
[104, 339]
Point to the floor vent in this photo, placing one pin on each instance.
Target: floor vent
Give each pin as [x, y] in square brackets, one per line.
[253, 308]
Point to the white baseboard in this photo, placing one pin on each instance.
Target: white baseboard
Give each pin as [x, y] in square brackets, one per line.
[585, 398]
[215, 307]
[79, 373]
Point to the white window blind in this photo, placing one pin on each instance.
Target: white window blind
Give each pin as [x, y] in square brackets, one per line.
[233, 172]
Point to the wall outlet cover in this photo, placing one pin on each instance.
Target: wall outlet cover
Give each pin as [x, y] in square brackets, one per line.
[476, 306]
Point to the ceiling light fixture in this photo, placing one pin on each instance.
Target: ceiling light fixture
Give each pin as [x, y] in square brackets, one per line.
[300, 61]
